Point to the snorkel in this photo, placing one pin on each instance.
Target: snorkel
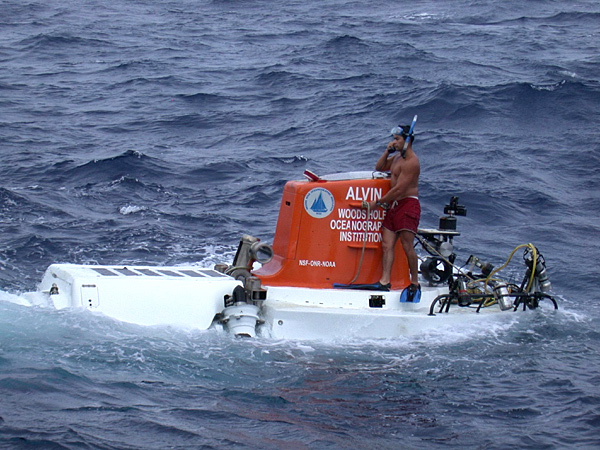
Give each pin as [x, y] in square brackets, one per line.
[409, 137]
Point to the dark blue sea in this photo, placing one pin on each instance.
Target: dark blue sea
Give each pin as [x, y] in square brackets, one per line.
[139, 131]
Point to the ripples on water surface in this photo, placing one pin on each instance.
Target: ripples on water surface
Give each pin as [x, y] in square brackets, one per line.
[159, 132]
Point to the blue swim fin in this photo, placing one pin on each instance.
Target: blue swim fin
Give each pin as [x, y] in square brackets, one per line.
[411, 294]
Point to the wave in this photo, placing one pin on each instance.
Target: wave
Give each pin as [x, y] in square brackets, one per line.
[572, 18]
[205, 99]
[57, 42]
[273, 77]
[345, 42]
[126, 166]
[450, 102]
[10, 199]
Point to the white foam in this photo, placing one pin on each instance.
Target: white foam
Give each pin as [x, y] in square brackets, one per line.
[131, 209]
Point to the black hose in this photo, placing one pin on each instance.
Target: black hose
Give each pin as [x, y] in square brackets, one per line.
[438, 299]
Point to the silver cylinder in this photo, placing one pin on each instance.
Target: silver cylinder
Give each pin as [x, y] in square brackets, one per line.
[503, 297]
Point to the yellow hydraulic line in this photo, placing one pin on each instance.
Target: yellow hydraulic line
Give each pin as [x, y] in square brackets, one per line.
[533, 250]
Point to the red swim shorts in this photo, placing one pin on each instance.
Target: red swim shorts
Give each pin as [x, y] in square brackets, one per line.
[404, 215]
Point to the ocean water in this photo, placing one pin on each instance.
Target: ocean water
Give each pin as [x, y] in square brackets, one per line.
[159, 132]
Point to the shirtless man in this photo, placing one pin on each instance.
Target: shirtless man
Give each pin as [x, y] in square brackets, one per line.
[402, 205]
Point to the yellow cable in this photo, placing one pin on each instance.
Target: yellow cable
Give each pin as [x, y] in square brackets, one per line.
[533, 250]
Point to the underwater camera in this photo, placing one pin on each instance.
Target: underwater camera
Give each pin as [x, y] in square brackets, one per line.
[452, 209]
[437, 269]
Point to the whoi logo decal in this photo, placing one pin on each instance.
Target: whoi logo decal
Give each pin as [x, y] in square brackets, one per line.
[319, 203]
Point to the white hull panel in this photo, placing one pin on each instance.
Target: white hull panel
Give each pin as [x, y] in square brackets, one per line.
[181, 296]
[301, 313]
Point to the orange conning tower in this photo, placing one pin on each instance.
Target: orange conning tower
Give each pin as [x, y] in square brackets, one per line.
[320, 234]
